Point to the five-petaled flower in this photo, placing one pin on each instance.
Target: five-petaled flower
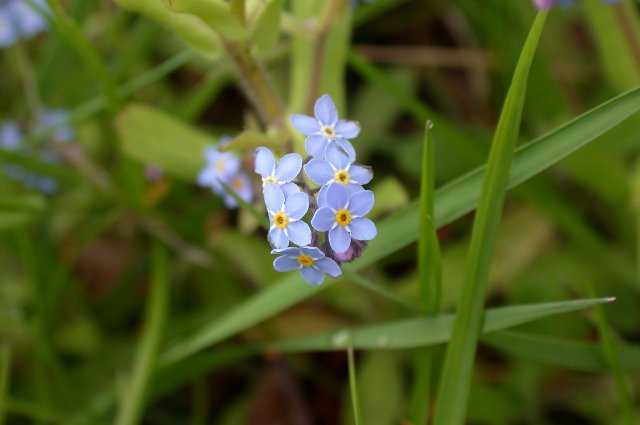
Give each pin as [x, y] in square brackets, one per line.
[219, 168]
[19, 20]
[343, 217]
[326, 129]
[279, 173]
[285, 216]
[311, 261]
[241, 185]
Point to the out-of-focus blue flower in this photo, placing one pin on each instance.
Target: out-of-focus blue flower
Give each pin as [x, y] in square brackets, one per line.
[547, 4]
[337, 168]
[241, 185]
[281, 173]
[10, 136]
[19, 20]
[285, 215]
[325, 129]
[220, 167]
[311, 262]
[57, 122]
[343, 216]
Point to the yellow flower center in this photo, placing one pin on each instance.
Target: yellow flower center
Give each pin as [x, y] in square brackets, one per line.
[305, 260]
[280, 220]
[220, 165]
[342, 176]
[328, 132]
[343, 217]
[237, 184]
[269, 179]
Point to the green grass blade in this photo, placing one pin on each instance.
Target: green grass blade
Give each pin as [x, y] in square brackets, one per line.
[455, 381]
[133, 400]
[353, 387]
[553, 351]
[5, 373]
[425, 331]
[452, 201]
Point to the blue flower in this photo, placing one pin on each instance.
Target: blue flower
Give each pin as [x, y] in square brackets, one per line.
[19, 20]
[10, 136]
[311, 262]
[285, 214]
[343, 217]
[326, 129]
[241, 185]
[280, 173]
[337, 168]
[220, 167]
[56, 121]
[547, 4]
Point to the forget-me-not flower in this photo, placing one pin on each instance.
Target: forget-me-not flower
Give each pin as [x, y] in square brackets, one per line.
[343, 216]
[311, 262]
[281, 173]
[19, 20]
[285, 215]
[240, 184]
[337, 168]
[325, 129]
[10, 136]
[219, 168]
[55, 121]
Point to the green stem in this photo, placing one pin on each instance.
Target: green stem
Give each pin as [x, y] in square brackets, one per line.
[133, 401]
[29, 83]
[353, 387]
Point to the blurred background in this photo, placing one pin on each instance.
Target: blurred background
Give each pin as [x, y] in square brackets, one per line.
[95, 204]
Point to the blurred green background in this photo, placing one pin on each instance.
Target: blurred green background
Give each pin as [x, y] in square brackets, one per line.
[149, 90]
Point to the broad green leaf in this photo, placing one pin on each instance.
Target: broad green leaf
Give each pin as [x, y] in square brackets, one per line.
[455, 380]
[154, 138]
[553, 351]
[191, 29]
[452, 201]
[426, 331]
[133, 400]
[217, 14]
[266, 30]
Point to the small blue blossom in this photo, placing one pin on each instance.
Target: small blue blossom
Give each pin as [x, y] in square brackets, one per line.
[220, 167]
[325, 129]
[241, 185]
[343, 217]
[281, 173]
[19, 20]
[56, 121]
[311, 262]
[337, 168]
[285, 216]
[10, 136]
[548, 4]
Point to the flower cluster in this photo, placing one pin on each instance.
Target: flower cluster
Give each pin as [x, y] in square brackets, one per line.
[339, 204]
[19, 20]
[222, 174]
[548, 4]
[53, 121]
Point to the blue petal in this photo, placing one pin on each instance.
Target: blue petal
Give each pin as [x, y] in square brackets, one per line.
[337, 196]
[347, 148]
[273, 198]
[305, 125]
[278, 238]
[315, 146]
[337, 157]
[363, 229]
[10, 136]
[322, 196]
[339, 239]
[206, 177]
[312, 275]
[361, 203]
[211, 154]
[7, 33]
[354, 188]
[299, 233]
[290, 251]
[323, 219]
[325, 110]
[347, 129]
[296, 205]
[265, 162]
[319, 171]
[289, 189]
[285, 264]
[312, 252]
[288, 167]
[328, 266]
[360, 174]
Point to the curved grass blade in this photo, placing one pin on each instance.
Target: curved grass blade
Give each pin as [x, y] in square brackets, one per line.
[452, 201]
[133, 400]
[353, 387]
[455, 380]
[412, 333]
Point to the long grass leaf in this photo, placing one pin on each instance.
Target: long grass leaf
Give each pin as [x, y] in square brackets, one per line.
[133, 400]
[353, 387]
[452, 201]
